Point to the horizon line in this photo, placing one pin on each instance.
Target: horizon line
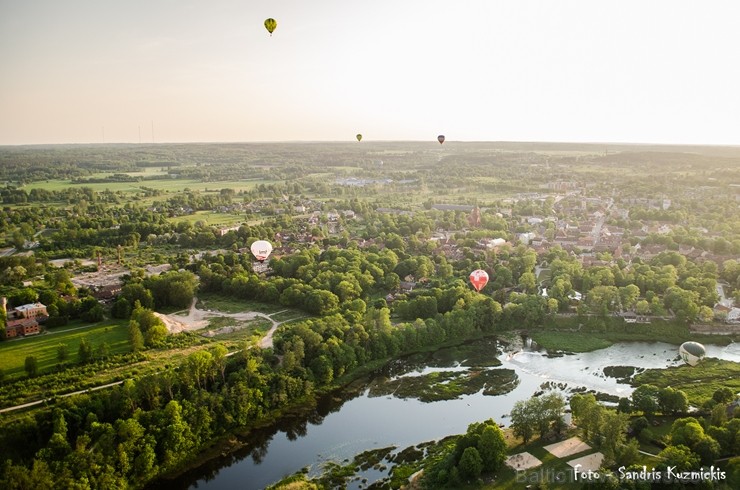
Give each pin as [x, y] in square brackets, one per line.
[365, 142]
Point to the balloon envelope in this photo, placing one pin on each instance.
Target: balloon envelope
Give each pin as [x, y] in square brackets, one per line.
[261, 249]
[441, 138]
[270, 25]
[359, 137]
[692, 352]
[479, 279]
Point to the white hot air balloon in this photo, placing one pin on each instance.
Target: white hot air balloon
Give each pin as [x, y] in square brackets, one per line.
[692, 352]
[261, 249]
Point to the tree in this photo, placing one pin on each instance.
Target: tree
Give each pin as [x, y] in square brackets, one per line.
[586, 413]
[706, 314]
[629, 295]
[322, 369]
[121, 308]
[471, 464]
[613, 432]
[683, 303]
[492, 448]
[62, 352]
[679, 457]
[690, 433]
[151, 326]
[603, 299]
[528, 282]
[723, 395]
[645, 399]
[672, 401]
[94, 314]
[32, 366]
[642, 307]
[522, 421]
[135, 337]
[85, 351]
[134, 292]
[219, 359]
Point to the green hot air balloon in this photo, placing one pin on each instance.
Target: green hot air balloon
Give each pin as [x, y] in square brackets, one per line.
[359, 137]
[270, 25]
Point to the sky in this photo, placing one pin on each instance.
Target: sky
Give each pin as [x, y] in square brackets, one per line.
[100, 71]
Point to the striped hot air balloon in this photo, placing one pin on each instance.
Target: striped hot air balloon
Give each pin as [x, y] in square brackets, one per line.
[270, 25]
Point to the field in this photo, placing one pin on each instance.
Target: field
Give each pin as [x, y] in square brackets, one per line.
[211, 218]
[166, 185]
[569, 341]
[44, 347]
[699, 382]
[232, 305]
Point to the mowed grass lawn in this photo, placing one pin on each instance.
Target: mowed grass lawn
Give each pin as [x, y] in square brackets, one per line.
[13, 353]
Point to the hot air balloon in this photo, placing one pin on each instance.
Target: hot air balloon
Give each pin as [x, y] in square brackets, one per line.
[692, 352]
[441, 138]
[270, 25]
[479, 279]
[261, 249]
[359, 137]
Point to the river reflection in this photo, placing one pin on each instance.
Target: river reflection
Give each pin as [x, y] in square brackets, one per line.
[347, 423]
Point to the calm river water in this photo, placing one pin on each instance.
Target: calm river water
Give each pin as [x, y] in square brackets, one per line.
[346, 424]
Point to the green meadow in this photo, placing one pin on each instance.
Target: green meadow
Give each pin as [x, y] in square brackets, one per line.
[166, 185]
[45, 346]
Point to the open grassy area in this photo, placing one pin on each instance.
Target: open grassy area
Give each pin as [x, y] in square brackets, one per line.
[699, 382]
[167, 185]
[569, 341]
[232, 305]
[571, 335]
[250, 331]
[210, 218]
[44, 346]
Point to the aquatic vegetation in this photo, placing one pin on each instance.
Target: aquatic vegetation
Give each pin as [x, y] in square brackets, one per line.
[623, 374]
[447, 385]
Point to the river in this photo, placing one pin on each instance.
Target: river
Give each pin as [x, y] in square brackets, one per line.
[352, 422]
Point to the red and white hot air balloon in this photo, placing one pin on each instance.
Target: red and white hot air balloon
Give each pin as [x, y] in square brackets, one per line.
[479, 279]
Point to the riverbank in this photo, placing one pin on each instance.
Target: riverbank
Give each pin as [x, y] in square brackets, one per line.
[282, 430]
[585, 338]
[246, 441]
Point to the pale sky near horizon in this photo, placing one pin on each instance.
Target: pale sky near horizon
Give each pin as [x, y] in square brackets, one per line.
[644, 71]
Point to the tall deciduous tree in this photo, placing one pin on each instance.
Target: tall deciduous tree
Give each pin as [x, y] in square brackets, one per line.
[470, 464]
[32, 366]
[492, 448]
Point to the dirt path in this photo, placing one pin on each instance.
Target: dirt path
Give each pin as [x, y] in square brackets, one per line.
[197, 319]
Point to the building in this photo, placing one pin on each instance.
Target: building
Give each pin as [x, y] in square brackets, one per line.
[22, 327]
[31, 310]
[225, 230]
[23, 320]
